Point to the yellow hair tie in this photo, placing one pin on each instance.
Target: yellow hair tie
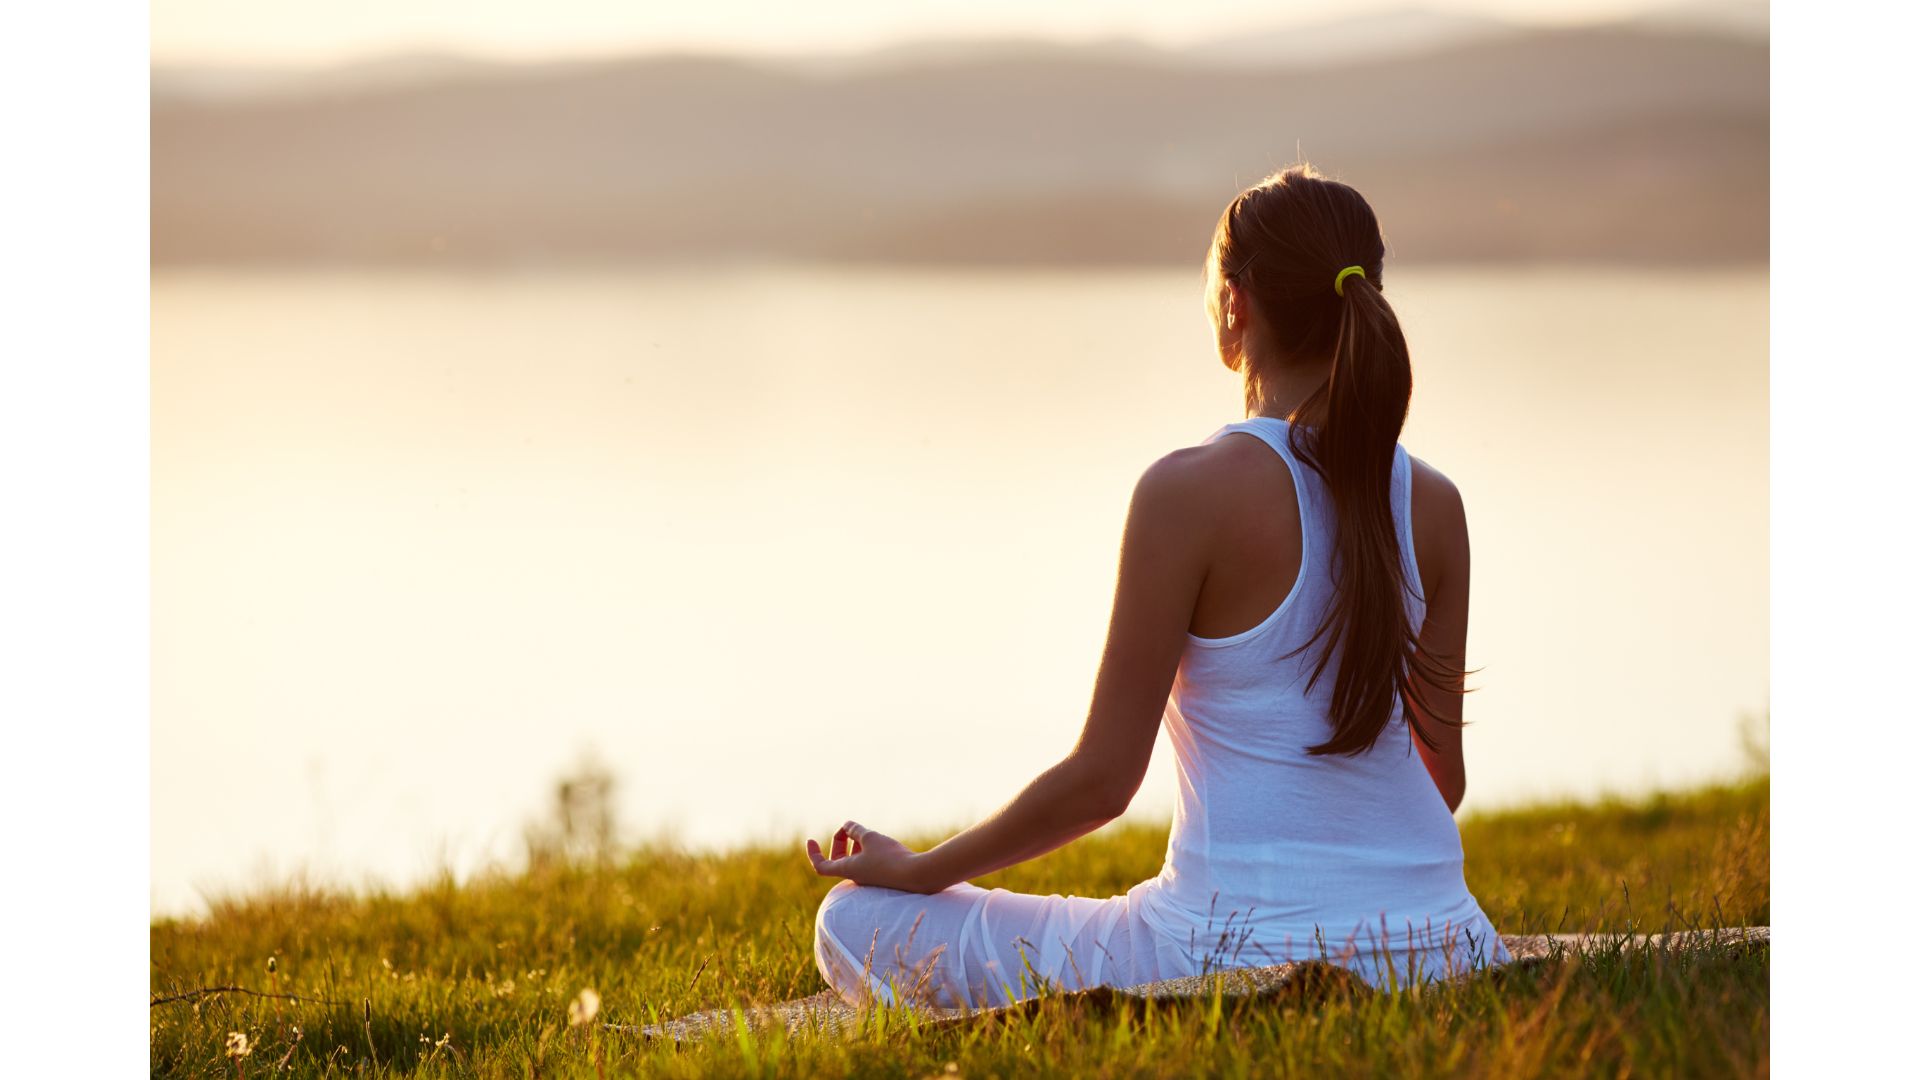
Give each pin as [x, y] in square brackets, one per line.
[1342, 276]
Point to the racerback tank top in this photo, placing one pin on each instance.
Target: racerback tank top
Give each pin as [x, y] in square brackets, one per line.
[1277, 854]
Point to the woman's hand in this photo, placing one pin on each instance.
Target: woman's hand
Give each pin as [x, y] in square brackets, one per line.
[865, 857]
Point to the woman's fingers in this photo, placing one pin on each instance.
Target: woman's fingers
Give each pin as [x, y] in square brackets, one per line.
[824, 866]
[843, 847]
[846, 843]
[821, 864]
[846, 839]
[857, 833]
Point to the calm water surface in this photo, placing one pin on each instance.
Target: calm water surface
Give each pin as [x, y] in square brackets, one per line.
[792, 545]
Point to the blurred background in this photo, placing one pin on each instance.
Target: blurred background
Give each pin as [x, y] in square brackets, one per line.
[740, 401]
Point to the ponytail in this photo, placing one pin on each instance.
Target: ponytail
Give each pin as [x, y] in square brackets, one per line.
[1312, 235]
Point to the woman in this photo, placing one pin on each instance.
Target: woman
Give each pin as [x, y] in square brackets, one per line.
[1292, 604]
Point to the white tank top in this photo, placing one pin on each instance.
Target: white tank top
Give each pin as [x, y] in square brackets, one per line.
[1283, 852]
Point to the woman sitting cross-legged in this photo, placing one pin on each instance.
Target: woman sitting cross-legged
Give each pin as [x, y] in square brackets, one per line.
[1292, 605]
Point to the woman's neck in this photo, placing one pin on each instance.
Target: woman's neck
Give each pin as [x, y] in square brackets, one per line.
[1281, 389]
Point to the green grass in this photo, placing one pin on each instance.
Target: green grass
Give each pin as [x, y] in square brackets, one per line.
[494, 962]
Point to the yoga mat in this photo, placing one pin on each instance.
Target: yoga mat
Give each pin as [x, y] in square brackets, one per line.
[826, 1014]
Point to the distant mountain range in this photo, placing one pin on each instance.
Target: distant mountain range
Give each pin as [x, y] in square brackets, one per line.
[1475, 140]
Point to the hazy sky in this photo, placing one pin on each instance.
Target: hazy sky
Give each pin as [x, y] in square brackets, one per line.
[302, 32]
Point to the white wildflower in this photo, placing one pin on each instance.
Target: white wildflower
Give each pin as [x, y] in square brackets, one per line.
[237, 1045]
[584, 1008]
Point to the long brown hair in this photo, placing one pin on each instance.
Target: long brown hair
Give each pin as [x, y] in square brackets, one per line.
[1284, 241]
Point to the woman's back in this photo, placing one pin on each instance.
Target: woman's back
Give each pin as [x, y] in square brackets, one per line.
[1283, 850]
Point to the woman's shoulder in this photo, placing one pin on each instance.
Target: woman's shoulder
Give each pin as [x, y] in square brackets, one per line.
[1225, 466]
[1439, 515]
[1218, 489]
[1433, 488]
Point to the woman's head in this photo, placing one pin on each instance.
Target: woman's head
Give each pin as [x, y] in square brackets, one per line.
[1280, 253]
[1277, 249]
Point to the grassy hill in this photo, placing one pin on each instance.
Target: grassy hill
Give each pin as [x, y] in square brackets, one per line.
[474, 978]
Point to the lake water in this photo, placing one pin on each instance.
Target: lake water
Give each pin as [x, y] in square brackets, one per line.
[789, 545]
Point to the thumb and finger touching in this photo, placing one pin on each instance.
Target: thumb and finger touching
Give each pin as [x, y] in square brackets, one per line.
[849, 841]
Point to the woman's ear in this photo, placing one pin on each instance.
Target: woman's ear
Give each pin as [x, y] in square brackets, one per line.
[1231, 324]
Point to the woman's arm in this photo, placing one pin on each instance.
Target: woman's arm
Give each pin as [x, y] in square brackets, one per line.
[1440, 548]
[1163, 562]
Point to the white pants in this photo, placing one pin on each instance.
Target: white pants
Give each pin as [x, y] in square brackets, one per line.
[974, 948]
[967, 946]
